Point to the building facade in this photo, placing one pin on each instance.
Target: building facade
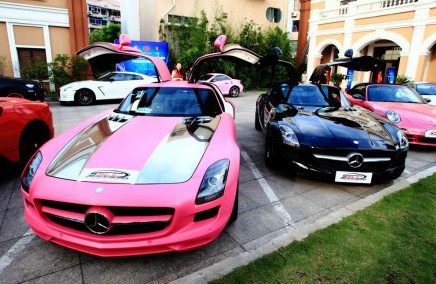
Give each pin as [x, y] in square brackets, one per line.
[402, 33]
[101, 13]
[146, 17]
[40, 29]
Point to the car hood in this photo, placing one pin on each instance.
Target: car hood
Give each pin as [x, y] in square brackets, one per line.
[333, 124]
[168, 151]
[419, 115]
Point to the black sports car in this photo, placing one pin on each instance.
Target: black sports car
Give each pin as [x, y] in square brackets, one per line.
[21, 88]
[315, 130]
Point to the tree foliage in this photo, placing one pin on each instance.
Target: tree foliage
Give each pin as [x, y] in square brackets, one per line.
[61, 71]
[189, 41]
[105, 34]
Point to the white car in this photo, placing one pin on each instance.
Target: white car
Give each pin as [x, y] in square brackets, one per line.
[113, 85]
[427, 90]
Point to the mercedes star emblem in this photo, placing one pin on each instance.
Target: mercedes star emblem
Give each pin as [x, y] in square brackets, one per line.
[97, 222]
[355, 160]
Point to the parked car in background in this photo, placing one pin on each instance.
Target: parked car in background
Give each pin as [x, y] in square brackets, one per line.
[427, 90]
[158, 173]
[227, 85]
[21, 88]
[315, 130]
[111, 86]
[402, 106]
[24, 127]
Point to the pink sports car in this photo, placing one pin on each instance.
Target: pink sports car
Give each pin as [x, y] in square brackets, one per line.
[401, 105]
[158, 173]
[227, 85]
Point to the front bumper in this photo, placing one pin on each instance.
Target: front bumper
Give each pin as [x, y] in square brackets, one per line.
[418, 138]
[66, 95]
[304, 162]
[190, 226]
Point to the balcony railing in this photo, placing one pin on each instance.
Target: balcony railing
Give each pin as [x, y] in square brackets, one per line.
[365, 7]
[385, 4]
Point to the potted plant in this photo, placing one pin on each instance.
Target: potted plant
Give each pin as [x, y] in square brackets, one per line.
[337, 78]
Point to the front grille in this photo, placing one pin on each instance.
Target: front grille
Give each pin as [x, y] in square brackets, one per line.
[126, 220]
[344, 166]
[389, 159]
[427, 140]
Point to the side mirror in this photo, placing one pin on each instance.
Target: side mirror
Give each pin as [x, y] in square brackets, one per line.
[427, 99]
[358, 97]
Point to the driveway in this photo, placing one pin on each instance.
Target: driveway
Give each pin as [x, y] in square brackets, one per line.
[272, 203]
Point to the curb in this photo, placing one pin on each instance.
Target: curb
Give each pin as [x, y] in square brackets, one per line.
[224, 267]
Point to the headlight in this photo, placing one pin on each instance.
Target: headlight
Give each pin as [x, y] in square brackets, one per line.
[393, 116]
[402, 140]
[30, 86]
[66, 88]
[214, 182]
[289, 136]
[30, 171]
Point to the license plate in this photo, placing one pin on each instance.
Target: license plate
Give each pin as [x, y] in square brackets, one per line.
[353, 177]
[430, 133]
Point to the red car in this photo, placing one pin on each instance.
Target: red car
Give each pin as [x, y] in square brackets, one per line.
[25, 125]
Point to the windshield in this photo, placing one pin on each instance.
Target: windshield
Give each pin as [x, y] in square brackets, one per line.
[393, 93]
[426, 89]
[171, 101]
[308, 95]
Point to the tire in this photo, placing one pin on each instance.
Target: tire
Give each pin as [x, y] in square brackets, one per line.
[84, 97]
[34, 136]
[234, 215]
[234, 92]
[256, 121]
[271, 158]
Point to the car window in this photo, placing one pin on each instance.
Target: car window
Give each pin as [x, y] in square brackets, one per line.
[393, 93]
[127, 77]
[426, 89]
[307, 95]
[359, 89]
[335, 96]
[136, 77]
[221, 78]
[117, 77]
[171, 101]
[277, 94]
[205, 77]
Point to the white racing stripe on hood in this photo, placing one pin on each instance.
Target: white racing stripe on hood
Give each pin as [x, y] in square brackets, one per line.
[173, 159]
[178, 155]
[72, 158]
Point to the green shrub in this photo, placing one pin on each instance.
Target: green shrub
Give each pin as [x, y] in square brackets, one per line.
[337, 78]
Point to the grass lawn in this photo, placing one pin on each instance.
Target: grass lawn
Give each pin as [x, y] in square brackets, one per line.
[393, 241]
